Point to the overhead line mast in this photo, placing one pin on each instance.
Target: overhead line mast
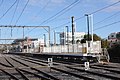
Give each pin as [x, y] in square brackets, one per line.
[9, 26]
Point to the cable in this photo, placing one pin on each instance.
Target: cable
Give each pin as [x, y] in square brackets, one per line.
[68, 22]
[56, 14]
[91, 13]
[105, 7]
[107, 17]
[70, 7]
[14, 11]
[40, 12]
[107, 25]
[8, 10]
[13, 16]
[101, 9]
[22, 12]
[59, 12]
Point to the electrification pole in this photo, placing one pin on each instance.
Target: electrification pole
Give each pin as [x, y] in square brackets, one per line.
[73, 30]
[67, 38]
[54, 39]
[44, 40]
[88, 25]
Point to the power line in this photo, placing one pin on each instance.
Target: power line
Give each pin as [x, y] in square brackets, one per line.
[14, 12]
[107, 25]
[67, 23]
[107, 17]
[8, 10]
[100, 9]
[40, 12]
[59, 12]
[14, 15]
[22, 12]
[41, 9]
[105, 7]
[90, 13]
[70, 7]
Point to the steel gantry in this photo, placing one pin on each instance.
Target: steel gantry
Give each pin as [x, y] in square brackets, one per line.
[10, 26]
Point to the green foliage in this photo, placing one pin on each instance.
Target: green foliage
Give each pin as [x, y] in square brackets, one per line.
[95, 38]
[104, 43]
[83, 41]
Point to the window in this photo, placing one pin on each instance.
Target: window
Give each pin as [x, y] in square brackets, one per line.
[112, 36]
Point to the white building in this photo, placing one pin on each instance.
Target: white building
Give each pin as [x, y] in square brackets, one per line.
[28, 45]
[67, 37]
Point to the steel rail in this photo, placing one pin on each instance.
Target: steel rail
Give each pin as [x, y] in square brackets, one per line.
[73, 74]
[67, 72]
[25, 77]
[22, 74]
[48, 75]
[115, 71]
[12, 76]
[35, 74]
[96, 73]
[30, 61]
[52, 77]
[4, 65]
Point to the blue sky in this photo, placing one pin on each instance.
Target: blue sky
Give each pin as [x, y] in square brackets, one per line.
[38, 11]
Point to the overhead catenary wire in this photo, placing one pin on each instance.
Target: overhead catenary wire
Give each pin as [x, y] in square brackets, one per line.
[107, 25]
[108, 17]
[42, 9]
[40, 12]
[90, 13]
[22, 12]
[13, 16]
[105, 7]
[56, 14]
[14, 12]
[59, 12]
[68, 8]
[8, 10]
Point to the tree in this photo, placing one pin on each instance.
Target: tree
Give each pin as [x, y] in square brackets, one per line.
[114, 53]
[104, 43]
[95, 38]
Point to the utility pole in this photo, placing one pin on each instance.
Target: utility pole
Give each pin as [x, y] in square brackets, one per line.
[88, 25]
[23, 40]
[0, 33]
[49, 35]
[73, 30]
[44, 40]
[67, 33]
[67, 38]
[54, 39]
[91, 21]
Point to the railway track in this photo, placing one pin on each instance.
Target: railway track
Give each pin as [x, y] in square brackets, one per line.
[28, 68]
